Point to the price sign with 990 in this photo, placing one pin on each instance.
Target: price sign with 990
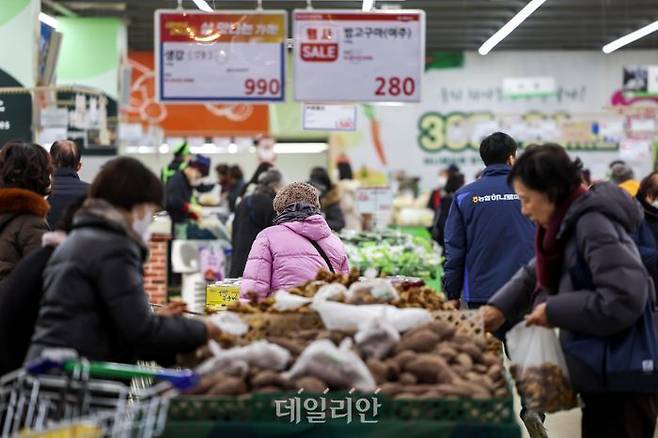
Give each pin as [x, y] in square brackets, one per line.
[364, 56]
[230, 56]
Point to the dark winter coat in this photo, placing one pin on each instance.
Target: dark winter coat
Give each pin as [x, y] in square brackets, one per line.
[20, 294]
[94, 300]
[330, 203]
[23, 222]
[441, 218]
[67, 188]
[487, 238]
[253, 215]
[597, 227]
[646, 238]
[179, 194]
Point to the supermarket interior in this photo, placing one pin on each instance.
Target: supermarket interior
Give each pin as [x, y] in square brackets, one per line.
[264, 218]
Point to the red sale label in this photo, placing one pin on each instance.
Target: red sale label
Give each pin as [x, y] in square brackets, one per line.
[316, 52]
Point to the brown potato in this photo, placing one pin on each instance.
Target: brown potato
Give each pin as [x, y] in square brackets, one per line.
[465, 361]
[268, 378]
[391, 389]
[268, 390]
[403, 357]
[447, 352]
[229, 386]
[311, 384]
[495, 372]
[378, 370]
[294, 347]
[392, 370]
[427, 368]
[422, 341]
[408, 379]
[490, 359]
[472, 350]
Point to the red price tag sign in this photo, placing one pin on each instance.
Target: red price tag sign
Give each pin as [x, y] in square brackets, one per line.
[363, 56]
[226, 56]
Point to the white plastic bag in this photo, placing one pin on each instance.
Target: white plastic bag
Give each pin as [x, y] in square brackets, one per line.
[377, 290]
[230, 323]
[539, 368]
[285, 301]
[376, 338]
[338, 367]
[347, 317]
[330, 292]
[261, 354]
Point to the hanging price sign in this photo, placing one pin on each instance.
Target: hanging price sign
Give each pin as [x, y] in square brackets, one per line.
[235, 56]
[351, 56]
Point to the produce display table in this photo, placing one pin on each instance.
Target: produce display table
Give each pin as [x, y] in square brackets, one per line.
[423, 233]
[383, 429]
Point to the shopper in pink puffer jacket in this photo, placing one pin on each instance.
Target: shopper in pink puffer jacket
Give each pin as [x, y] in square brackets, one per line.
[283, 255]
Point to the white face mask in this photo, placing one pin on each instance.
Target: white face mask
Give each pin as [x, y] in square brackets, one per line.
[141, 225]
[443, 181]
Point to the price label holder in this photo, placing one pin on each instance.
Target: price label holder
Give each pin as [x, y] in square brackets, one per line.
[353, 56]
[374, 200]
[320, 117]
[227, 56]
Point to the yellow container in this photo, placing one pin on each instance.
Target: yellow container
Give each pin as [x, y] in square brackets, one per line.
[219, 295]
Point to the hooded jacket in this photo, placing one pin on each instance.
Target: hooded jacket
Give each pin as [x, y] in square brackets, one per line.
[283, 257]
[596, 227]
[486, 237]
[94, 299]
[23, 221]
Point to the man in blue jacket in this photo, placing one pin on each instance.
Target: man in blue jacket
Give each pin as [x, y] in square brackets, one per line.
[487, 239]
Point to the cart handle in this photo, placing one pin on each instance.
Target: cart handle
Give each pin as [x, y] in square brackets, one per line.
[180, 379]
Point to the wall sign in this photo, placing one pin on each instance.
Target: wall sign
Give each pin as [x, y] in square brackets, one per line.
[351, 56]
[221, 56]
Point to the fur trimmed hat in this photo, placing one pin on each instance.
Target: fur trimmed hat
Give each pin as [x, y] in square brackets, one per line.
[294, 193]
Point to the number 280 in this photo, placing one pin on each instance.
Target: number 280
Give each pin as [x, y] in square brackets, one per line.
[395, 86]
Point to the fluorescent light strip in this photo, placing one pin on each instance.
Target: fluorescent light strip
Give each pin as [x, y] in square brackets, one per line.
[300, 148]
[633, 36]
[510, 26]
[203, 5]
[47, 19]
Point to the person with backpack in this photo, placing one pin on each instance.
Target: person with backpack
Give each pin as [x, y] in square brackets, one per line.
[25, 178]
[254, 213]
[586, 279]
[295, 248]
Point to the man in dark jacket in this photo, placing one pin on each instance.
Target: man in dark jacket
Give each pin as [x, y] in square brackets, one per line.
[67, 186]
[646, 236]
[253, 215]
[487, 239]
[180, 190]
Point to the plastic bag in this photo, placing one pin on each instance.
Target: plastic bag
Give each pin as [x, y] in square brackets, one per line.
[230, 323]
[376, 338]
[347, 317]
[539, 369]
[285, 301]
[338, 367]
[261, 354]
[330, 292]
[371, 292]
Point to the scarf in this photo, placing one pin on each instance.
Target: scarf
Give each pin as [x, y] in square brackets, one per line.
[549, 250]
[296, 213]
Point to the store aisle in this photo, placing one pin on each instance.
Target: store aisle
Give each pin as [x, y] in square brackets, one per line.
[559, 425]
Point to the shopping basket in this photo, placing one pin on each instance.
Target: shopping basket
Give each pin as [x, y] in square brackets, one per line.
[75, 398]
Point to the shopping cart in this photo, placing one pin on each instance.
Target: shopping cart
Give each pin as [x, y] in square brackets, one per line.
[69, 399]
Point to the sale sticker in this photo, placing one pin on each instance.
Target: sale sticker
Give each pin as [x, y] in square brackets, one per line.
[353, 56]
[329, 117]
[227, 56]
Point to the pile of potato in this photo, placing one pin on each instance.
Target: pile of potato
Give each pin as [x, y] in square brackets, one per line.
[429, 362]
[544, 388]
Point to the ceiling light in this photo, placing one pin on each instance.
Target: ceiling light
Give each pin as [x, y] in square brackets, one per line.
[47, 19]
[300, 148]
[510, 26]
[633, 36]
[203, 5]
[368, 5]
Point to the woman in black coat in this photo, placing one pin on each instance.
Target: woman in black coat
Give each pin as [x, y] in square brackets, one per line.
[253, 215]
[94, 300]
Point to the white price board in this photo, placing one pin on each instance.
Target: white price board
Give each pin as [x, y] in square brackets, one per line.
[319, 117]
[373, 200]
[227, 56]
[352, 56]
